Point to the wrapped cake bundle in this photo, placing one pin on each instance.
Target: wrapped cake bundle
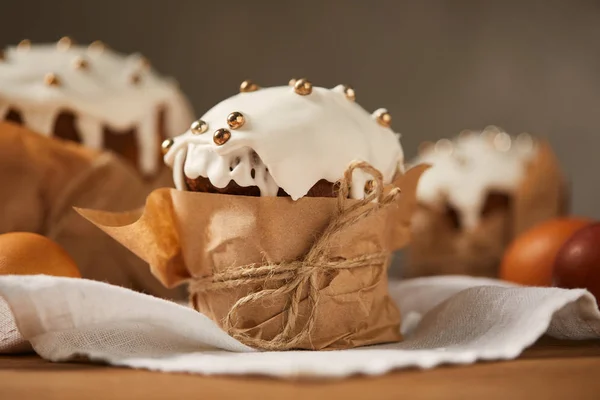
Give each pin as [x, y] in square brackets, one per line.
[100, 101]
[289, 203]
[483, 189]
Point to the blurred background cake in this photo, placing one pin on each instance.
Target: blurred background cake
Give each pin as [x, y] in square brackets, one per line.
[92, 123]
[45, 178]
[295, 140]
[482, 190]
[94, 96]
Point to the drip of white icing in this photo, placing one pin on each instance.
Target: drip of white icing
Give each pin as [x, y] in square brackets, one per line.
[41, 121]
[100, 95]
[465, 173]
[178, 176]
[298, 141]
[148, 127]
[94, 134]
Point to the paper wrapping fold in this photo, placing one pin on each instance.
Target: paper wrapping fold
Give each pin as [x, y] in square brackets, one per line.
[438, 248]
[43, 178]
[190, 236]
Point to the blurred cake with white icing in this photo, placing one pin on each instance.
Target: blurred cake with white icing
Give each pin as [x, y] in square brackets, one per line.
[471, 168]
[295, 140]
[482, 189]
[92, 95]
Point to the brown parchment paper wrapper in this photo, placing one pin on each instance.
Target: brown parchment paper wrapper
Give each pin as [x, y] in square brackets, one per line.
[41, 179]
[438, 248]
[191, 236]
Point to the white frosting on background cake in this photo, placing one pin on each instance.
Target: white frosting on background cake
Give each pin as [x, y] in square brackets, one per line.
[298, 141]
[113, 90]
[466, 169]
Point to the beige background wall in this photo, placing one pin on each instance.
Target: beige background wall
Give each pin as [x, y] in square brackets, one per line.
[438, 66]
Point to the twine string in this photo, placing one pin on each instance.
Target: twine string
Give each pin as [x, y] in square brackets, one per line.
[301, 276]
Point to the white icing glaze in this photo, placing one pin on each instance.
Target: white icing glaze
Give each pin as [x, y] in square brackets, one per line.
[467, 168]
[299, 139]
[93, 136]
[146, 128]
[100, 95]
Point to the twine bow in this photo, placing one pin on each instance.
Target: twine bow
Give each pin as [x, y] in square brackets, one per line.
[301, 276]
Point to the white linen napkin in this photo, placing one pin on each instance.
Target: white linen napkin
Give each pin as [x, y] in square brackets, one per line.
[447, 320]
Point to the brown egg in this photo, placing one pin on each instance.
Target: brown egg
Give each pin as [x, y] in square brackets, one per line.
[577, 263]
[23, 253]
[529, 259]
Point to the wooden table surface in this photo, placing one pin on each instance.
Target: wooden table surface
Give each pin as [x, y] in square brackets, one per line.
[549, 370]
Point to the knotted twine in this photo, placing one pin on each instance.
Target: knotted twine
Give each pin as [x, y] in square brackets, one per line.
[300, 276]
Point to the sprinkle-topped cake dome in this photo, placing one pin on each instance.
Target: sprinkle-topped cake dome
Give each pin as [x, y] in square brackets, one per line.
[92, 95]
[284, 140]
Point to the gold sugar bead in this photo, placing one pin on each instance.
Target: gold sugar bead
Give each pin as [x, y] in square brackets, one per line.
[235, 120]
[444, 147]
[370, 186]
[221, 136]
[502, 141]
[349, 92]
[2, 55]
[303, 87]
[199, 127]
[489, 133]
[97, 46]
[493, 129]
[135, 79]
[80, 63]
[24, 45]
[425, 147]
[292, 82]
[383, 117]
[64, 43]
[248, 86]
[51, 79]
[166, 145]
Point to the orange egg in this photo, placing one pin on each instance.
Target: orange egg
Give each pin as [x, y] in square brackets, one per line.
[529, 260]
[23, 253]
